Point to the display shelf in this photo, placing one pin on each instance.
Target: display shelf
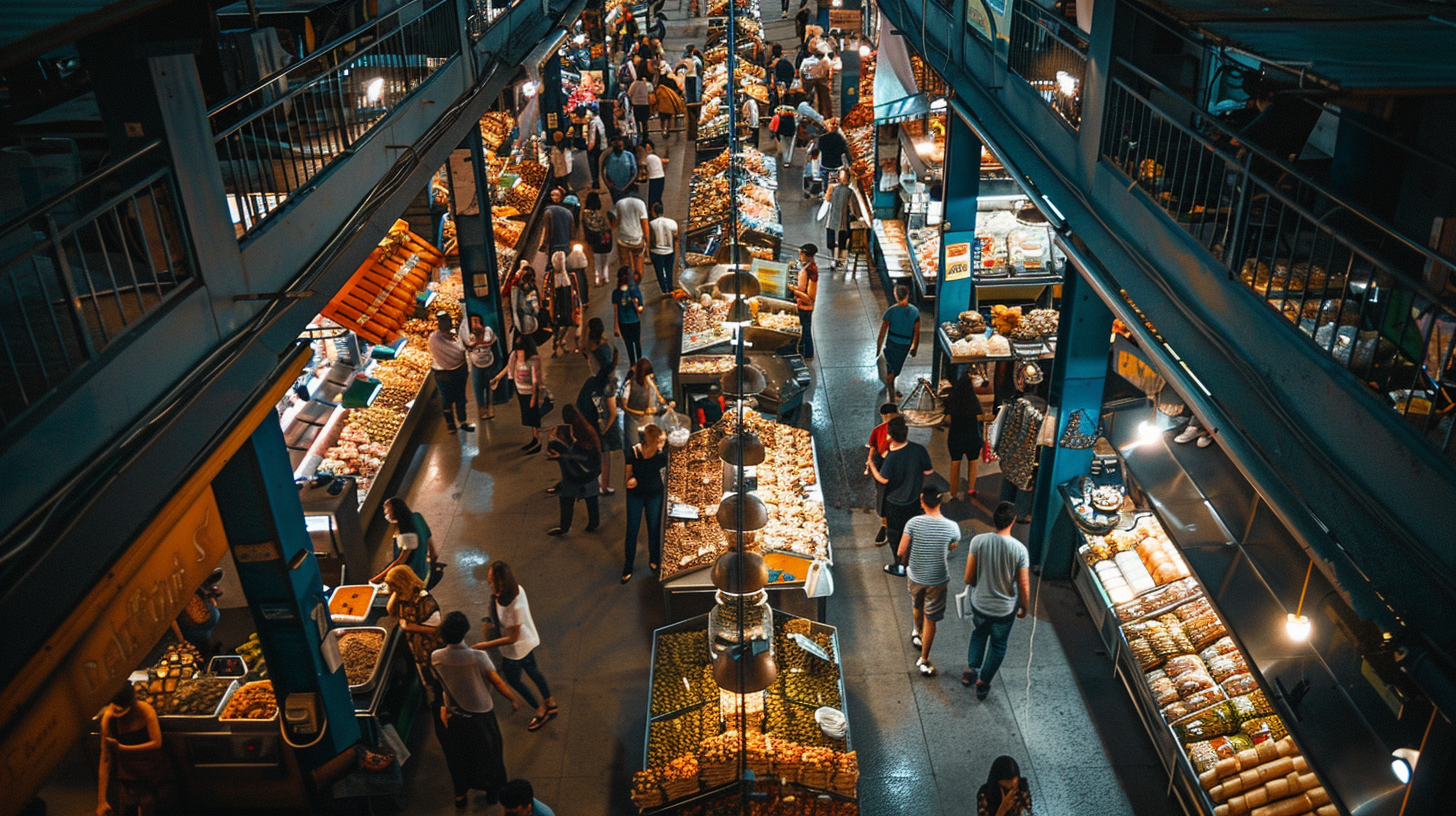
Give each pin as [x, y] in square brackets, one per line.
[894, 252]
[1043, 350]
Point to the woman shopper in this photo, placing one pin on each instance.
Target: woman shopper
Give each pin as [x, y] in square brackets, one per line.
[133, 765]
[596, 228]
[564, 304]
[644, 464]
[481, 351]
[560, 160]
[524, 368]
[841, 214]
[577, 448]
[963, 437]
[641, 399]
[576, 264]
[447, 359]
[806, 291]
[526, 306]
[418, 614]
[1005, 792]
[669, 102]
[597, 399]
[518, 641]
[465, 724]
[627, 307]
[414, 545]
[656, 176]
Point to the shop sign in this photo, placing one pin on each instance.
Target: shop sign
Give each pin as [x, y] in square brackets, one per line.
[844, 19]
[773, 277]
[463, 195]
[958, 261]
[114, 628]
[978, 16]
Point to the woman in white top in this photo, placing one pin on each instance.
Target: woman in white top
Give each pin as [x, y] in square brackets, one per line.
[564, 299]
[518, 642]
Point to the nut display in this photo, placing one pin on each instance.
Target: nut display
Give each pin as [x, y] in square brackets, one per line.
[678, 736]
[198, 697]
[255, 701]
[360, 650]
[682, 675]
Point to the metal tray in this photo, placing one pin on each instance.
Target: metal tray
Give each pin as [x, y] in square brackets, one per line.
[369, 589]
[244, 721]
[186, 719]
[373, 679]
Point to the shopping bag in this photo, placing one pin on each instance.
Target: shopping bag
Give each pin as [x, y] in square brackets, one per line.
[823, 212]
[883, 366]
[820, 582]
[963, 603]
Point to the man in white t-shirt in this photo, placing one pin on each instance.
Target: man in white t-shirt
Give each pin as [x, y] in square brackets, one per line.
[926, 546]
[997, 570]
[656, 176]
[664, 246]
[629, 219]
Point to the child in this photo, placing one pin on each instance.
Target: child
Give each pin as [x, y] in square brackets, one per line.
[812, 183]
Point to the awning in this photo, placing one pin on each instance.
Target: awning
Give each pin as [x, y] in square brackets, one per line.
[897, 97]
[1353, 55]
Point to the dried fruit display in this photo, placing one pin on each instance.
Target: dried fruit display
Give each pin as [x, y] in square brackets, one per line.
[197, 697]
[706, 364]
[254, 701]
[681, 673]
[360, 649]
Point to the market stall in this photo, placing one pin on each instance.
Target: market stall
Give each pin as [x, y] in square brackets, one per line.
[710, 207]
[701, 739]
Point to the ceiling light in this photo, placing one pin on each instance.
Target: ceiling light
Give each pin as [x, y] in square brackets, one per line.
[1066, 83]
[865, 50]
[374, 89]
[528, 88]
[938, 104]
[1404, 763]
[1297, 627]
[1148, 432]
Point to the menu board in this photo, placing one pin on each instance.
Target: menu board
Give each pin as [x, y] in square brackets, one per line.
[773, 277]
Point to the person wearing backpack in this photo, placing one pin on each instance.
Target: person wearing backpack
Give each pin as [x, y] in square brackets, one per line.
[481, 351]
[577, 449]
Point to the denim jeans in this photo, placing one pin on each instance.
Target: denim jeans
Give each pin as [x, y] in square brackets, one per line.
[997, 631]
[451, 385]
[632, 339]
[512, 670]
[806, 334]
[654, 191]
[636, 507]
[662, 264]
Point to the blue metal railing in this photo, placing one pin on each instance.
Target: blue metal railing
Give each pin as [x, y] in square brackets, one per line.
[483, 15]
[1050, 56]
[1356, 287]
[80, 269]
[274, 139]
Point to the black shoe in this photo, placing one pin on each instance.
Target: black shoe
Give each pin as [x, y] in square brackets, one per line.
[982, 689]
[553, 490]
[534, 447]
[882, 535]
[534, 441]
[894, 569]
[467, 427]
[556, 531]
[591, 528]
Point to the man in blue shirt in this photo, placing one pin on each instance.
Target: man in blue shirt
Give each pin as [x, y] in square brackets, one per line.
[518, 798]
[899, 335]
[619, 169]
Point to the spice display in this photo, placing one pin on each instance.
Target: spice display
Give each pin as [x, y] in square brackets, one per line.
[254, 701]
[198, 697]
[360, 649]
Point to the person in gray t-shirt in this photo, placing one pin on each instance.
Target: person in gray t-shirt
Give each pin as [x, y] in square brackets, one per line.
[997, 570]
[926, 545]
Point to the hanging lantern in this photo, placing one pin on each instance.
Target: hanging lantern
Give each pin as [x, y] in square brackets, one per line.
[743, 381]
[758, 671]
[740, 573]
[754, 515]
[742, 449]
[739, 285]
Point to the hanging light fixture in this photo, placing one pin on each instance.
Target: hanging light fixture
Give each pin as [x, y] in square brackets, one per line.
[733, 254]
[741, 512]
[742, 449]
[1296, 624]
[743, 381]
[1404, 763]
[739, 284]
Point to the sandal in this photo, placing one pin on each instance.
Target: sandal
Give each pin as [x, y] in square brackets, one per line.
[540, 720]
[654, 567]
[626, 576]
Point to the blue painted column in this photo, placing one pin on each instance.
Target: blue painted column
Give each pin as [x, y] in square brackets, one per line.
[475, 231]
[552, 98]
[263, 518]
[956, 288]
[1077, 378]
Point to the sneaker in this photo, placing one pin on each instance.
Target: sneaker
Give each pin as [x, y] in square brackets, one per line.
[555, 531]
[1205, 440]
[982, 689]
[925, 668]
[915, 638]
[1188, 434]
[881, 537]
[895, 569]
[467, 427]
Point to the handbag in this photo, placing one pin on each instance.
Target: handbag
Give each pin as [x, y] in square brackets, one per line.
[773, 124]
[987, 454]
[994, 434]
[437, 572]
[1074, 437]
[963, 603]
[882, 365]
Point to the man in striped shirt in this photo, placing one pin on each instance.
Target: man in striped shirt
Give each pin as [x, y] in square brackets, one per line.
[927, 543]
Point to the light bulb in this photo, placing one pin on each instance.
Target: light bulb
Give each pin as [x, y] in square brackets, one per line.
[1404, 763]
[1148, 432]
[528, 88]
[864, 49]
[1066, 83]
[374, 89]
[1297, 627]
[938, 104]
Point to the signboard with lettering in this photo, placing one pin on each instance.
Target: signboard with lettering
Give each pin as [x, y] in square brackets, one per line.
[957, 261]
[844, 19]
[773, 278]
[121, 620]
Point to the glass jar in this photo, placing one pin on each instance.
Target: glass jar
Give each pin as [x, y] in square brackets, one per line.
[728, 628]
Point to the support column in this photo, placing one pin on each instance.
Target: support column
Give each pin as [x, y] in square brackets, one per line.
[1078, 375]
[956, 280]
[550, 98]
[263, 519]
[470, 198]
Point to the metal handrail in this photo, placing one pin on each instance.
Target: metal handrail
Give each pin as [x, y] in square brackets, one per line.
[57, 199]
[295, 91]
[318, 54]
[1041, 17]
[1282, 165]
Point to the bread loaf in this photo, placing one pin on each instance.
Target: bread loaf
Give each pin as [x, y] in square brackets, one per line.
[1293, 806]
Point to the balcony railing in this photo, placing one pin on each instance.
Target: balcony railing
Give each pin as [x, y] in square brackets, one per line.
[484, 14]
[274, 139]
[1355, 287]
[1050, 56]
[80, 269]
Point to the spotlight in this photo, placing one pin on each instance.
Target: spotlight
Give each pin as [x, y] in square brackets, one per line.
[1297, 627]
[374, 89]
[1066, 83]
[528, 88]
[864, 49]
[1404, 763]
[1148, 432]
[938, 104]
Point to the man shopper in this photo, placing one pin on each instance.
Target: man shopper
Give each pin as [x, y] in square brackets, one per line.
[656, 176]
[833, 148]
[619, 169]
[596, 142]
[926, 545]
[447, 358]
[640, 95]
[997, 570]
[629, 219]
[903, 474]
[518, 798]
[558, 221]
[664, 246]
[878, 446]
[899, 336]
[466, 724]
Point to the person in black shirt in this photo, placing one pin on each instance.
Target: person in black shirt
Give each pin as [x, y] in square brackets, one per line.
[833, 149]
[963, 438]
[783, 70]
[903, 474]
[710, 409]
[577, 448]
[645, 462]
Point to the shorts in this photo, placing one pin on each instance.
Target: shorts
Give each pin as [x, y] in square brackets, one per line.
[530, 414]
[963, 439]
[895, 357]
[928, 599]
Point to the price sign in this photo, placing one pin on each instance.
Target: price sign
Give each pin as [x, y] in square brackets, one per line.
[957, 261]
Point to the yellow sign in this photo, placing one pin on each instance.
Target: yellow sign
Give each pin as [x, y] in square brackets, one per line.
[978, 17]
[125, 615]
[49, 705]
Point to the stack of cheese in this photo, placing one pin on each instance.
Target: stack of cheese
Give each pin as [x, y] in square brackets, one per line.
[1270, 779]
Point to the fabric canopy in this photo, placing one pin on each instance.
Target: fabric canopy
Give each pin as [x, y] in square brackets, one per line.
[897, 97]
